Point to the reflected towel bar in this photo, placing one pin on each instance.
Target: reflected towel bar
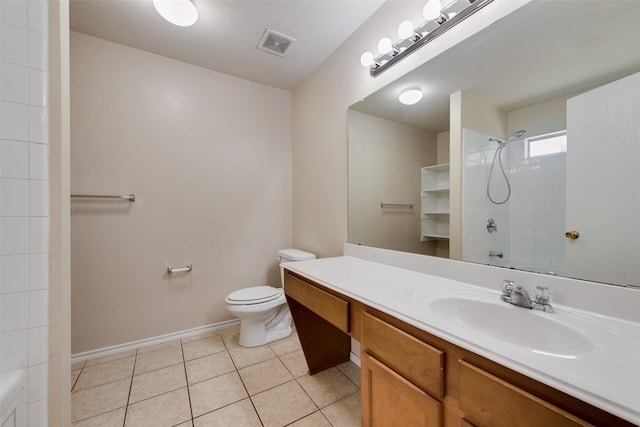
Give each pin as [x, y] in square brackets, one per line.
[171, 270]
[129, 197]
[396, 205]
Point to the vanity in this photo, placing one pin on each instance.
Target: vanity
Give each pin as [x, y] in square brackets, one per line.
[436, 351]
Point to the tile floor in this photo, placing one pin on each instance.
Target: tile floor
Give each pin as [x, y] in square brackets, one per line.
[209, 380]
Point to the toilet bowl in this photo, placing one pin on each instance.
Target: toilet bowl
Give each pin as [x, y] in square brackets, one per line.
[263, 310]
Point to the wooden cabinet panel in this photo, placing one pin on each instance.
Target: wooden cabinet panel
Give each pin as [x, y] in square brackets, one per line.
[489, 401]
[390, 400]
[331, 308]
[414, 359]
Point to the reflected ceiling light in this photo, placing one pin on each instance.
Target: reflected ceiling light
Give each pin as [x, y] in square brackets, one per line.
[410, 96]
[182, 13]
[440, 15]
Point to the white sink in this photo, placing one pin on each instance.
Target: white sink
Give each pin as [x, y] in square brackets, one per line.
[543, 333]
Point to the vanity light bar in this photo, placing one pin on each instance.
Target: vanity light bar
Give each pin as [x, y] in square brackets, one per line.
[406, 47]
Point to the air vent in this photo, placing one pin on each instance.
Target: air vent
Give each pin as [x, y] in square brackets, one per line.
[274, 42]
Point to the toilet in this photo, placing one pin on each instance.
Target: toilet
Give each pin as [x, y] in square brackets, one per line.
[263, 310]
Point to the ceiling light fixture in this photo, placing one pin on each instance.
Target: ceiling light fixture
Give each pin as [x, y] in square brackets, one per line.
[440, 16]
[182, 13]
[410, 96]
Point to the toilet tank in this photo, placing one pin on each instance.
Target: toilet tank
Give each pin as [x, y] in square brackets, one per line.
[289, 255]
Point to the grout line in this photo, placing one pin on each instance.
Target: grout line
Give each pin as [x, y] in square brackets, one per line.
[126, 408]
[186, 378]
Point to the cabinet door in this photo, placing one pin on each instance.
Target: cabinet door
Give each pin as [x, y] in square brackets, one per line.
[389, 400]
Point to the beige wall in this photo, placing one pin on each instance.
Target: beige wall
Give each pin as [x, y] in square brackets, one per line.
[320, 118]
[209, 159]
[385, 159]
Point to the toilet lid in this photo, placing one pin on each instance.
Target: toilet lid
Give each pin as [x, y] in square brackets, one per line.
[253, 295]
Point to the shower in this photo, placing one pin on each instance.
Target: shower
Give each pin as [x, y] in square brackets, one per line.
[498, 154]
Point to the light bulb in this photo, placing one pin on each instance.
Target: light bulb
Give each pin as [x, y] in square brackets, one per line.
[432, 10]
[385, 46]
[410, 96]
[406, 29]
[182, 13]
[367, 59]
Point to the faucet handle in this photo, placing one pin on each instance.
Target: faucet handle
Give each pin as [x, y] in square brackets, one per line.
[543, 295]
[508, 286]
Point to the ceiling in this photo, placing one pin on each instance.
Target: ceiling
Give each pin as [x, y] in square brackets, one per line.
[543, 50]
[227, 33]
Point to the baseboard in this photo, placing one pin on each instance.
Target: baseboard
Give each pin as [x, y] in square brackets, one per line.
[354, 358]
[134, 345]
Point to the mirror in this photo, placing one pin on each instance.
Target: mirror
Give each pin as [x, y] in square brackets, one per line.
[530, 70]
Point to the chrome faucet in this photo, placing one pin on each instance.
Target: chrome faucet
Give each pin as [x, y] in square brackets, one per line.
[517, 295]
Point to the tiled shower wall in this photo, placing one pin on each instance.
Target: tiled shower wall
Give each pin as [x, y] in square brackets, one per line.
[24, 197]
[530, 224]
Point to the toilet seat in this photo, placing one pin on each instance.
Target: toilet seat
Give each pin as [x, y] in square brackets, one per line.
[253, 295]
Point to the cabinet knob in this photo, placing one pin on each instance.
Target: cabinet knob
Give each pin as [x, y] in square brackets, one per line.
[573, 234]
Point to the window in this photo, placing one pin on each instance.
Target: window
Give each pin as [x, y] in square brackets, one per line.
[546, 145]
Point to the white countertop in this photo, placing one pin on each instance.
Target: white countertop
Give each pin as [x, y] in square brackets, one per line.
[606, 375]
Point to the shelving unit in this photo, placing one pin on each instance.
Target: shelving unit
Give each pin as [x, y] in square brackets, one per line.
[435, 202]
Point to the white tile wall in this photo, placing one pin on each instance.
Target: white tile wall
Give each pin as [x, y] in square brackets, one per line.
[24, 197]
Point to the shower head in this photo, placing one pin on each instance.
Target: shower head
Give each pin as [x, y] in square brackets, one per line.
[516, 134]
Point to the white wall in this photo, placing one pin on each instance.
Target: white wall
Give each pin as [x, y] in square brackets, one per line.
[24, 198]
[209, 159]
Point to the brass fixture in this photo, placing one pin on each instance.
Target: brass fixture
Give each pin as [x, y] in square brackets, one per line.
[573, 234]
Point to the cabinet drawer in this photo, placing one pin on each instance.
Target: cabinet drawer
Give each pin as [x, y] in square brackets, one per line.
[415, 360]
[333, 309]
[488, 400]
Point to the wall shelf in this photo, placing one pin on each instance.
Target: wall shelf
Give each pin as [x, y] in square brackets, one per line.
[434, 215]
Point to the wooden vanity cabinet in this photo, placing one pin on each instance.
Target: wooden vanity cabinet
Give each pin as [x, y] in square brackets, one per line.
[323, 321]
[412, 378]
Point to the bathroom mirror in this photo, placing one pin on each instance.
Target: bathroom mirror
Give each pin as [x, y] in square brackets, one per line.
[521, 71]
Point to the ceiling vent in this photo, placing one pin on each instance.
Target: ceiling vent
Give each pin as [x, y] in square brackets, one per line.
[275, 42]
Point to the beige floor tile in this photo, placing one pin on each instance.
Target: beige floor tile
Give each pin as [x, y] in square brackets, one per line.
[152, 360]
[230, 330]
[110, 358]
[97, 400]
[286, 345]
[157, 382]
[105, 373]
[274, 413]
[165, 410]
[78, 365]
[209, 395]
[159, 346]
[345, 412]
[204, 347]
[208, 367]
[327, 386]
[237, 414]
[314, 420]
[246, 356]
[264, 375]
[231, 339]
[295, 363]
[351, 370]
[199, 337]
[185, 424]
[108, 419]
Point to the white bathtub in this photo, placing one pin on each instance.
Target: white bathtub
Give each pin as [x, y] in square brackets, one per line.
[12, 398]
